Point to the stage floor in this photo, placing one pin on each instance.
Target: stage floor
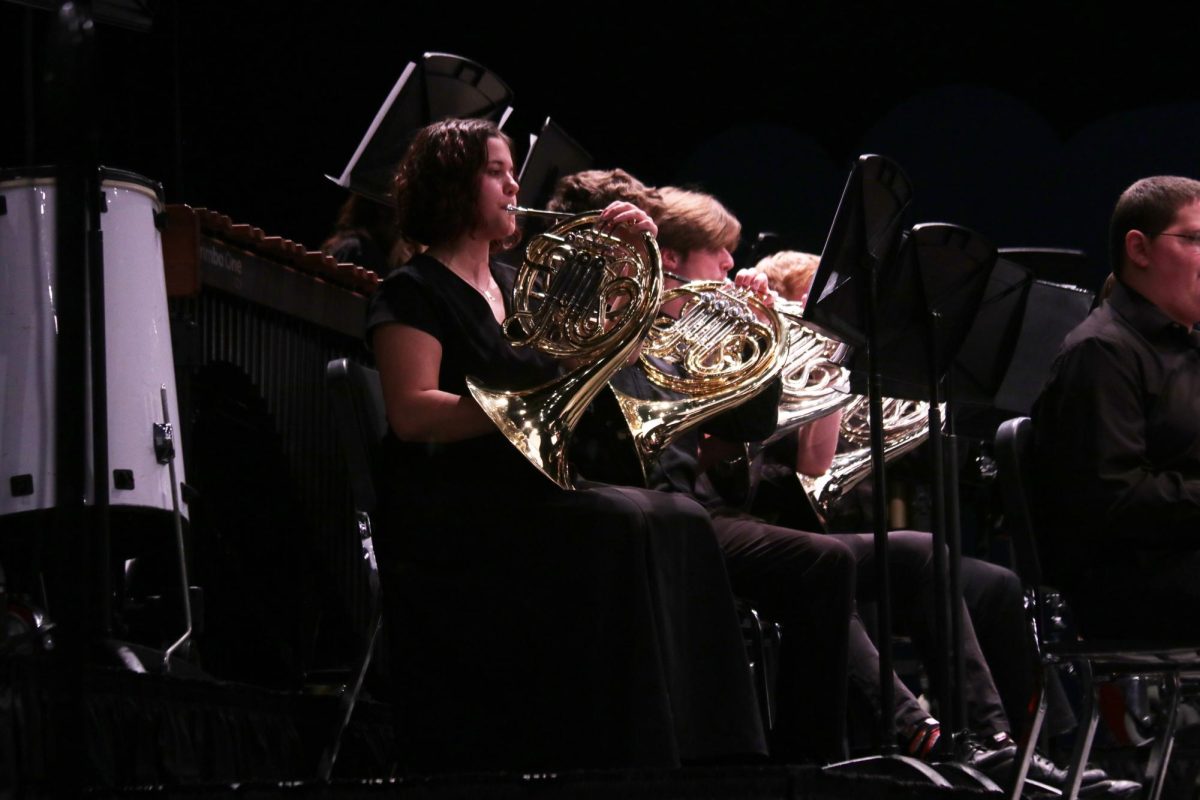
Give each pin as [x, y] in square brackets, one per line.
[689, 783]
[133, 734]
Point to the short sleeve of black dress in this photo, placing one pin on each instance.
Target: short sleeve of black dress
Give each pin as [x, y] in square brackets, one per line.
[427, 296]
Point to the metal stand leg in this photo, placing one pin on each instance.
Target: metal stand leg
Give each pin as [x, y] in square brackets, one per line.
[351, 692]
[1160, 755]
[1021, 767]
[1083, 744]
[164, 448]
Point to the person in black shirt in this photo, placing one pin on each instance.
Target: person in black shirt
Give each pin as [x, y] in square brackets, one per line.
[531, 627]
[1117, 430]
[803, 581]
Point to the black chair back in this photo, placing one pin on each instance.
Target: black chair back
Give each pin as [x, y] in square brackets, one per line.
[1014, 443]
[361, 421]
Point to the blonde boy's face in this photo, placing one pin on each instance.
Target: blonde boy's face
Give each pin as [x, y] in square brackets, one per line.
[701, 264]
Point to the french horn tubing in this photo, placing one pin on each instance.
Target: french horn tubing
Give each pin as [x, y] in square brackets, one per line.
[905, 425]
[581, 294]
[814, 382]
[725, 347]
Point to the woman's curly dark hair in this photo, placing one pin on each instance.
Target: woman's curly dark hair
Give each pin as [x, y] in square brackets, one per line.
[437, 182]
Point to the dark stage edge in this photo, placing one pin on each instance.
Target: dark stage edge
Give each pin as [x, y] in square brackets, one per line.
[167, 736]
[689, 783]
[133, 729]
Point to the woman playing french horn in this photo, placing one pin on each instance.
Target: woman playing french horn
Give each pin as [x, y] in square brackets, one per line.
[532, 627]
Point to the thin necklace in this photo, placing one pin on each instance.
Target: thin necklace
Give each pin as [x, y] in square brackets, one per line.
[484, 290]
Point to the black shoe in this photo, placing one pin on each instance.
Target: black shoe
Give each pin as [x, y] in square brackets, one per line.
[992, 756]
[1043, 770]
[1095, 783]
[1111, 788]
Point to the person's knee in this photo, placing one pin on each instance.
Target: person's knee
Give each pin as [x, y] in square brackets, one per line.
[836, 564]
[683, 515]
[1005, 581]
[911, 551]
[839, 553]
[993, 582]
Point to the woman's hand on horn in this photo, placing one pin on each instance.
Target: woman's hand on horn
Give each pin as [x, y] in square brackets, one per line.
[620, 212]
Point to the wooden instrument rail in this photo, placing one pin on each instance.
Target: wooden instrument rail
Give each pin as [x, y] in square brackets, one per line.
[206, 248]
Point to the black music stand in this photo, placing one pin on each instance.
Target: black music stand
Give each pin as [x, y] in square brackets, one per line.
[1004, 363]
[1054, 264]
[437, 87]
[999, 371]
[1024, 316]
[552, 154]
[844, 302]
[951, 268]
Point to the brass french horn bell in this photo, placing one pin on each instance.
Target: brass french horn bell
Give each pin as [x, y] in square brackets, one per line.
[583, 294]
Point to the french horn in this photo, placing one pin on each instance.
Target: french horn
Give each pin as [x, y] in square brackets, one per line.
[905, 425]
[584, 295]
[725, 346]
[814, 383]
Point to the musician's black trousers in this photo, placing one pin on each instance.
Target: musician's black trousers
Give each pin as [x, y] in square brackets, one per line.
[993, 607]
[807, 582]
[804, 581]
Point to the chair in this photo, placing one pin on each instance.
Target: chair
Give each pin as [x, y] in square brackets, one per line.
[357, 401]
[1096, 660]
[763, 639]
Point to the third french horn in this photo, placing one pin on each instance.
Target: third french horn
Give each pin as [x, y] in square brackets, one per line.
[905, 425]
[814, 383]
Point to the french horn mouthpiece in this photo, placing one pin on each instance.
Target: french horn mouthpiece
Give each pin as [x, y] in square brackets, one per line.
[557, 216]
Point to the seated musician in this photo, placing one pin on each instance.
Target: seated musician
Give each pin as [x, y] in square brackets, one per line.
[803, 581]
[999, 663]
[365, 234]
[532, 627]
[1117, 431]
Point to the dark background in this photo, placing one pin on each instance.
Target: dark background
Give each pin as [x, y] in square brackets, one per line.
[1021, 122]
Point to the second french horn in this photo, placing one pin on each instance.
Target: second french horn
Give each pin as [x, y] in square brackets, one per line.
[724, 347]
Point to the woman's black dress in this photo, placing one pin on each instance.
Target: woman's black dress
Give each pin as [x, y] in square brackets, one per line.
[534, 627]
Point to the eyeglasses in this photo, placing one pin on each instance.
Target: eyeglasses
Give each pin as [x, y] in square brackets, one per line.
[1193, 238]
